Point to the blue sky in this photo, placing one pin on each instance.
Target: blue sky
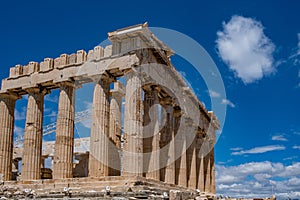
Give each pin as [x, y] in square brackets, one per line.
[255, 45]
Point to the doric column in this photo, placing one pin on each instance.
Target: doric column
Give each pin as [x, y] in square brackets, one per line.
[192, 181]
[170, 157]
[201, 177]
[151, 136]
[115, 125]
[212, 163]
[201, 172]
[98, 161]
[7, 108]
[115, 113]
[32, 148]
[208, 174]
[64, 144]
[133, 126]
[180, 143]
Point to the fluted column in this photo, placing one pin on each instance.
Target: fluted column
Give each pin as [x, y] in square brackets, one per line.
[212, 163]
[192, 181]
[32, 149]
[98, 161]
[151, 136]
[180, 143]
[7, 108]
[200, 163]
[64, 144]
[201, 176]
[115, 125]
[208, 174]
[170, 157]
[133, 126]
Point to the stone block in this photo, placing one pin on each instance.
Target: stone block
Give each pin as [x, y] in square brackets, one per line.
[81, 56]
[25, 70]
[72, 58]
[33, 67]
[57, 62]
[98, 52]
[16, 71]
[108, 51]
[90, 55]
[64, 59]
[46, 65]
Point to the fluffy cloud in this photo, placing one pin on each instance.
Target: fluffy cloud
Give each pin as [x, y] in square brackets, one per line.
[259, 179]
[228, 103]
[257, 150]
[245, 48]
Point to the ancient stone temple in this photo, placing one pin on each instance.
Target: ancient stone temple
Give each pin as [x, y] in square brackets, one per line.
[150, 135]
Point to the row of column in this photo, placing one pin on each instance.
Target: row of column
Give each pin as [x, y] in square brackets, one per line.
[146, 148]
[151, 152]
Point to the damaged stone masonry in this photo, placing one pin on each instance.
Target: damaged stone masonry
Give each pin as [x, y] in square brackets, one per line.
[166, 144]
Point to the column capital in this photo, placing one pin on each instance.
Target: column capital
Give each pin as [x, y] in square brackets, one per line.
[39, 90]
[10, 95]
[66, 83]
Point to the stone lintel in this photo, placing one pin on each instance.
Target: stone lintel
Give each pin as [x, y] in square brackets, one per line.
[115, 66]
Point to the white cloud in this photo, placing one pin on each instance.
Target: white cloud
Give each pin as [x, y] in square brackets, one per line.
[18, 131]
[296, 147]
[20, 115]
[279, 138]
[236, 149]
[245, 48]
[213, 94]
[228, 103]
[87, 123]
[257, 150]
[53, 99]
[259, 179]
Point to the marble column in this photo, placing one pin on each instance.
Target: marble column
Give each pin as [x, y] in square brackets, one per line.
[192, 181]
[7, 108]
[98, 161]
[115, 126]
[200, 164]
[151, 134]
[64, 144]
[208, 174]
[170, 157]
[33, 136]
[201, 176]
[115, 113]
[212, 163]
[133, 126]
[180, 142]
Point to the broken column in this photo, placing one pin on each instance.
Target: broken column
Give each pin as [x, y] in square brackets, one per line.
[31, 161]
[7, 108]
[98, 161]
[115, 126]
[64, 143]
[151, 134]
[133, 126]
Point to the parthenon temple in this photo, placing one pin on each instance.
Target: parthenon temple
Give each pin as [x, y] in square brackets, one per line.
[150, 129]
